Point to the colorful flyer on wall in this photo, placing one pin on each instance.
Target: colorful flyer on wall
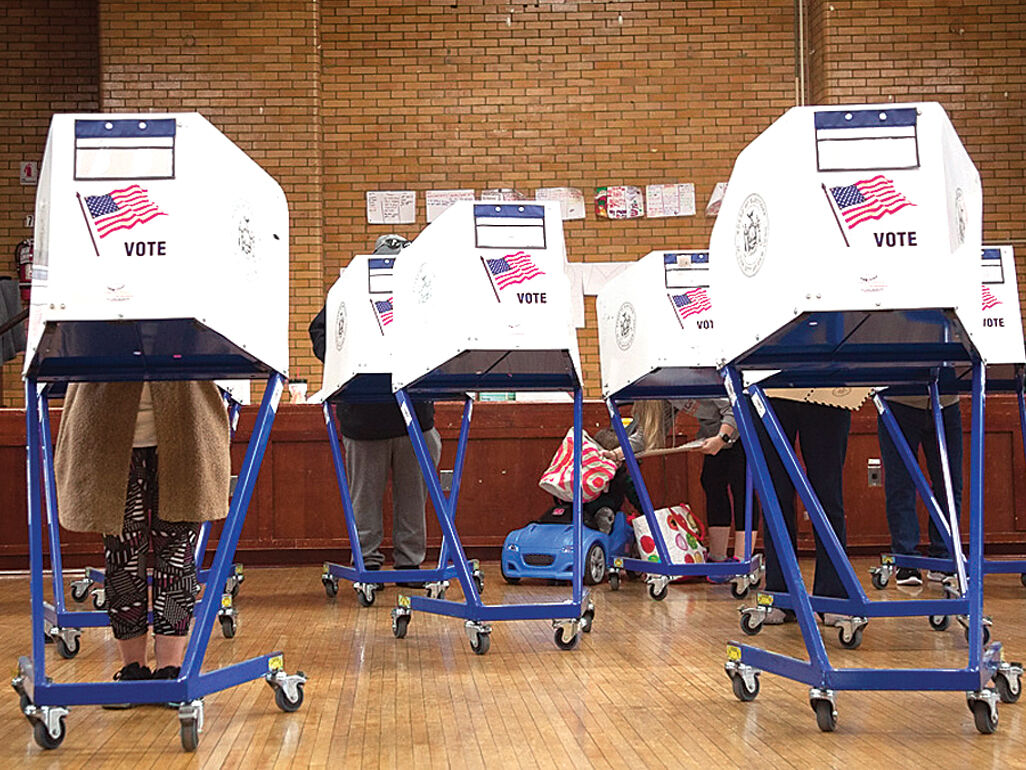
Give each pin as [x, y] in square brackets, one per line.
[571, 200]
[391, 207]
[438, 201]
[713, 207]
[504, 194]
[670, 200]
[619, 202]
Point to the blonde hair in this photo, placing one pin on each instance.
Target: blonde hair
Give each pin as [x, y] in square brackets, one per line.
[651, 419]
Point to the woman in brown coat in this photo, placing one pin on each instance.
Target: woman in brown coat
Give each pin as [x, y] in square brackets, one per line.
[110, 431]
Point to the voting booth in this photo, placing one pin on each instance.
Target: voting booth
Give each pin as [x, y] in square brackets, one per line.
[358, 354]
[848, 244]
[482, 303]
[161, 253]
[658, 324]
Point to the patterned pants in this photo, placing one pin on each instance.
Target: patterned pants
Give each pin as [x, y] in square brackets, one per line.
[174, 566]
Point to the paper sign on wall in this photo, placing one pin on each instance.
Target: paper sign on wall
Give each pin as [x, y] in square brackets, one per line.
[438, 201]
[571, 200]
[713, 207]
[670, 200]
[391, 207]
[619, 202]
[504, 194]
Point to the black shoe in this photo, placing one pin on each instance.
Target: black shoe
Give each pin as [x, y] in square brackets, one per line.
[133, 672]
[908, 576]
[410, 583]
[168, 672]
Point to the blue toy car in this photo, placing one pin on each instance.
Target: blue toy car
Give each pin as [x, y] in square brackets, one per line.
[545, 550]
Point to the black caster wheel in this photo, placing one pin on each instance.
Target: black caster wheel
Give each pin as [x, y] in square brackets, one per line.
[399, 626]
[565, 645]
[1008, 688]
[657, 593]
[741, 691]
[365, 600]
[481, 644]
[826, 717]
[285, 703]
[234, 591]
[189, 733]
[850, 642]
[479, 582]
[737, 592]
[939, 622]
[67, 651]
[986, 723]
[79, 594]
[228, 626]
[98, 605]
[749, 626]
[614, 581]
[986, 635]
[25, 700]
[43, 738]
[879, 581]
[1022, 578]
[586, 621]
[510, 579]
[330, 588]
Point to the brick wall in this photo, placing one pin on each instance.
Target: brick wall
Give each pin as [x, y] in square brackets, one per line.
[336, 97]
[50, 64]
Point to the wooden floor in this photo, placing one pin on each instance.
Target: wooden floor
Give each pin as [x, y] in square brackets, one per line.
[645, 689]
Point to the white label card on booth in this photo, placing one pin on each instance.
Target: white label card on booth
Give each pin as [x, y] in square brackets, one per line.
[125, 149]
[685, 268]
[379, 275]
[509, 226]
[864, 140]
[993, 270]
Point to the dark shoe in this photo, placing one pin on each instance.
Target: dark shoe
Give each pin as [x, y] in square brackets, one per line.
[777, 617]
[908, 576]
[939, 577]
[168, 672]
[604, 518]
[410, 583]
[133, 672]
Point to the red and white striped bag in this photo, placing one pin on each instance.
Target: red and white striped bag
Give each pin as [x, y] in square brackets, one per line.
[596, 470]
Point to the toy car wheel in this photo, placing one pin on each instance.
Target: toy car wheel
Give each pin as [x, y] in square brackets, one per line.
[595, 565]
[510, 578]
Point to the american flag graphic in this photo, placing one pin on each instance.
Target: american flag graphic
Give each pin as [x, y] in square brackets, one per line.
[121, 209]
[512, 269]
[383, 310]
[868, 199]
[691, 302]
[989, 300]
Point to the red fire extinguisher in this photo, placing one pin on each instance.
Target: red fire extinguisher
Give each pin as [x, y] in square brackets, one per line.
[23, 255]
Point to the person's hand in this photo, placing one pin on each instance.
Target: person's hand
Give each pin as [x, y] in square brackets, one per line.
[613, 454]
[712, 445]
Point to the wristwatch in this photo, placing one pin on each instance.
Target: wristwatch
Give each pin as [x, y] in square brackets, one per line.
[726, 439]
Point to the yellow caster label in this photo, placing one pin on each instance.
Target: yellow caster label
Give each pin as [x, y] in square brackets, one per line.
[277, 663]
[238, 569]
[325, 570]
[226, 601]
[733, 653]
[764, 600]
[403, 601]
[618, 562]
[887, 559]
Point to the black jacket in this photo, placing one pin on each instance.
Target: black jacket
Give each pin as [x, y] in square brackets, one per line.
[370, 421]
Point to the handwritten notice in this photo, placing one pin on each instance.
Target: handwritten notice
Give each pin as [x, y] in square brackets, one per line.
[571, 200]
[670, 200]
[391, 207]
[504, 194]
[619, 202]
[439, 200]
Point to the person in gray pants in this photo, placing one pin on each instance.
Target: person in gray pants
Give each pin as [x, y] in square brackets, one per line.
[376, 442]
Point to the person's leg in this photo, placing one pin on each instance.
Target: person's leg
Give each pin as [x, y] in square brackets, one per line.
[736, 471]
[367, 468]
[125, 569]
[823, 434]
[899, 489]
[717, 502]
[174, 584]
[787, 414]
[409, 497]
[952, 417]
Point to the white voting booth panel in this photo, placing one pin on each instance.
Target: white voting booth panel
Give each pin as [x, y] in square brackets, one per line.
[358, 317]
[999, 337]
[658, 325]
[151, 217]
[849, 208]
[482, 298]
